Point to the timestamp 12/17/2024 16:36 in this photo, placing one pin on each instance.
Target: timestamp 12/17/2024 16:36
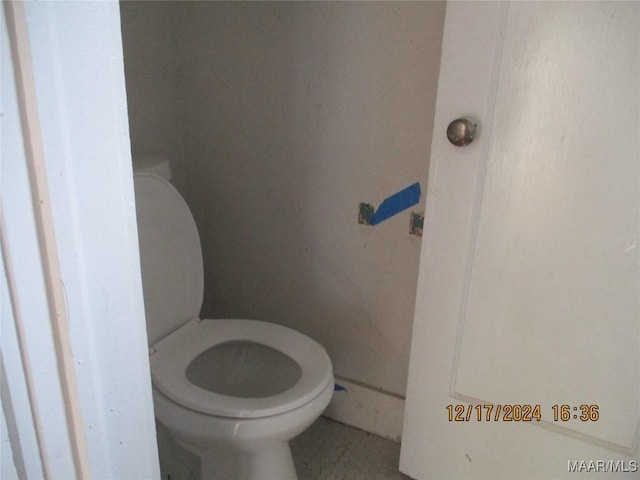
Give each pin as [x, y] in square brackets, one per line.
[520, 413]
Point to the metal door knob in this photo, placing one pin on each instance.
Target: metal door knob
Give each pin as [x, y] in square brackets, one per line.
[462, 131]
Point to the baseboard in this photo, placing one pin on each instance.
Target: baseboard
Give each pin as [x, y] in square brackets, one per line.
[366, 408]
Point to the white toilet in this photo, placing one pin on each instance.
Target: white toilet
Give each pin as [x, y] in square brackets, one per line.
[234, 392]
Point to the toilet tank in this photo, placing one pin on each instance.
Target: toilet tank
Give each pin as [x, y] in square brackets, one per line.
[157, 164]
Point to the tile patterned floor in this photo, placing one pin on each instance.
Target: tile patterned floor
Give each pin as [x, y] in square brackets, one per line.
[331, 451]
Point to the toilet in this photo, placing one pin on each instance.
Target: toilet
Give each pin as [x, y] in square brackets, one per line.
[233, 392]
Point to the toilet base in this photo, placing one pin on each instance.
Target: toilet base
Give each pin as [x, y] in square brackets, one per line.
[240, 448]
[221, 463]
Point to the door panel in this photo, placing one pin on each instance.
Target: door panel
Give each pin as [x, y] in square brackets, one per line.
[529, 290]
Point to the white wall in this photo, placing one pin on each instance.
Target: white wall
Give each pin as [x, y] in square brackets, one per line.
[293, 114]
[149, 39]
[79, 83]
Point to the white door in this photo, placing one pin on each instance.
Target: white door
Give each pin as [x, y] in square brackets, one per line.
[525, 360]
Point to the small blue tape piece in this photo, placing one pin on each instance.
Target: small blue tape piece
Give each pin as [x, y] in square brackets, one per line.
[338, 388]
[396, 203]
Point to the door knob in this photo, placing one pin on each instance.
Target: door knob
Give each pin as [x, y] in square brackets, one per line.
[462, 131]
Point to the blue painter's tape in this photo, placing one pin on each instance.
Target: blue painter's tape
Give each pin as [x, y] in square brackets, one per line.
[396, 203]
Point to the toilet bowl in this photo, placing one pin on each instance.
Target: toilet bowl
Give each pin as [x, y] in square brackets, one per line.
[231, 391]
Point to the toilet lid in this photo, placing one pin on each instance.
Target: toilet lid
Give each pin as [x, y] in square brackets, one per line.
[170, 256]
[174, 354]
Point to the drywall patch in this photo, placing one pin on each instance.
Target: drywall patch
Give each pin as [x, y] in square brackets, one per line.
[365, 214]
[416, 223]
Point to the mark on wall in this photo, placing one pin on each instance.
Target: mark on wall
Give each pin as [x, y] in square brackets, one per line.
[365, 214]
[390, 206]
[416, 223]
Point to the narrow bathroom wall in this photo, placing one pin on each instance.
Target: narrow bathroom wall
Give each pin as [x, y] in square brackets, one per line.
[294, 114]
[150, 53]
[280, 118]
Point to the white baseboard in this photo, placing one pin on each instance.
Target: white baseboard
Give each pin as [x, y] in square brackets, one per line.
[366, 408]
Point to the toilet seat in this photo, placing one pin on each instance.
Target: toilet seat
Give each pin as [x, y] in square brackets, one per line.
[172, 355]
[170, 256]
[173, 282]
